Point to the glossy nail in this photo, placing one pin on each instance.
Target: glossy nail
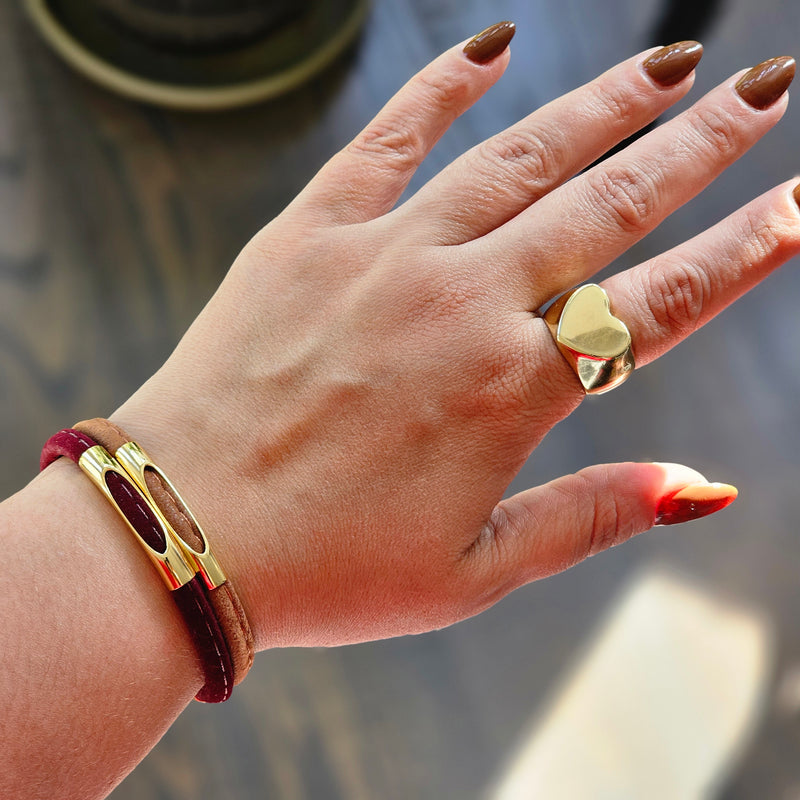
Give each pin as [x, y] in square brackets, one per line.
[671, 64]
[796, 194]
[488, 44]
[761, 86]
[694, 501]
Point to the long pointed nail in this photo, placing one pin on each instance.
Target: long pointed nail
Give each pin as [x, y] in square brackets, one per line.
[671, 64]
[488, 44]
[694, 501]
[761, 86]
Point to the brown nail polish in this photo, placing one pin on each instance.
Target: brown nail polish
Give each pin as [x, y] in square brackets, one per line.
[761, 86]
[796, 194]
[488, 44]
[694, 501]
[671, 64]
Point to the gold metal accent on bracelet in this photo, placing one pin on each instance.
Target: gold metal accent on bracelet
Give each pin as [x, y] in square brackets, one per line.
[136, 462]
[172, 565]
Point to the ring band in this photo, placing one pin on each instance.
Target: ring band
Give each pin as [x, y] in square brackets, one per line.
[595, 343]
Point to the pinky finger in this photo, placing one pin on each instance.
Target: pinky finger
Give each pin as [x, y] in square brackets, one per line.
[667, 298]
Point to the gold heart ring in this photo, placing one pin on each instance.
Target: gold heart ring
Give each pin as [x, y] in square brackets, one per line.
[595, 343]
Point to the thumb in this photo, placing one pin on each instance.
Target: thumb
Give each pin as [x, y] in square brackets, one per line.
[550, 528]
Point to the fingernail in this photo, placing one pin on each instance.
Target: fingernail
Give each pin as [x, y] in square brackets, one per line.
[694, 501]
[761, 86]
[488, 44]
[796, 194]
[671, 64]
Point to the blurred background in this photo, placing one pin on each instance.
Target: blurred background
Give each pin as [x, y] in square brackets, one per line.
[669, 667]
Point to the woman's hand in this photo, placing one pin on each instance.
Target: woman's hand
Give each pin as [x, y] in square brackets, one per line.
[348, 411]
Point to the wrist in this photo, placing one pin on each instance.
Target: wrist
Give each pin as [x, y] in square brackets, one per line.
[87, 548]
[93, 627]
[204, 462]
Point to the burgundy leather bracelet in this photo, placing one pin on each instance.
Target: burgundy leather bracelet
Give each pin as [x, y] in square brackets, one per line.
[186, 586]
[162, 494]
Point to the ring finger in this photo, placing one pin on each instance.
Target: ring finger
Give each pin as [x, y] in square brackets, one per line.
[664, 300]
[667, 298]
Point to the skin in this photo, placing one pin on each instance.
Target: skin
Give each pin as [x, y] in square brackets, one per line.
[346, 413]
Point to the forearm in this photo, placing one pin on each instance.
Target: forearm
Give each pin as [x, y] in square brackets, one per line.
[96, 662]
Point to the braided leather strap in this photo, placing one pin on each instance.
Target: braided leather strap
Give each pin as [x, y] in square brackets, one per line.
[185, 583]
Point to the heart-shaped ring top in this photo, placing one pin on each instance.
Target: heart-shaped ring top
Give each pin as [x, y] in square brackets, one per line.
[587, 326]
[595, 342]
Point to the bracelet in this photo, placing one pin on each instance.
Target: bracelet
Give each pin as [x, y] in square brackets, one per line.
[160, 492]
[173, 540]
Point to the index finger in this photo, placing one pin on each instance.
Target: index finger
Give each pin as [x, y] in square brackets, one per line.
[365, 180]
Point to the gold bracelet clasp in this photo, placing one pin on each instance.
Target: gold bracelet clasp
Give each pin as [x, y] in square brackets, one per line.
[136, 462]
[172, 565]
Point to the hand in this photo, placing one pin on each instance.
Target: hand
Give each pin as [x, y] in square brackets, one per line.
[347, 412]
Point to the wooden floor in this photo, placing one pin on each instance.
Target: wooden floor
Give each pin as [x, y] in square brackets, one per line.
[118, 220]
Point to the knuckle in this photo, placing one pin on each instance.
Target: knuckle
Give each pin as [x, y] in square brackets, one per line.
[491, 562]
[600, 515]
[495, 535]
[765, 238]
[431, 299]
[391, 143]
[610, 525]
[677, 297]
[499, 389]
[490, 389]
[627, 194]
[542, 403]
[616, 101]
[398, 136]
[525, 156]
[604, 530]
[445, 92]
[717, 128]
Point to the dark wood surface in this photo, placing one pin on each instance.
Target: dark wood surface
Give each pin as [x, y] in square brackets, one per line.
[118, 220]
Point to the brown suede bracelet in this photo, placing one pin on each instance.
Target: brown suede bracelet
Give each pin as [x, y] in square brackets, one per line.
[222, 597]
